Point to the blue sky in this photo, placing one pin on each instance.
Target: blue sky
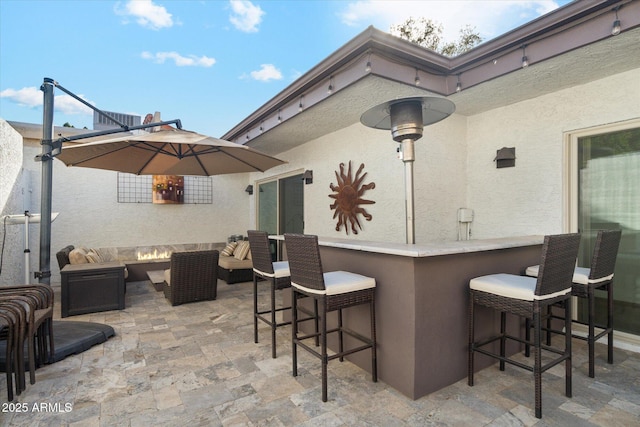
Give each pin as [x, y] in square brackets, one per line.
[208, 63]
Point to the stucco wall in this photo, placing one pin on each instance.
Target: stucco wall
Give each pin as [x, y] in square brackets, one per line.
[11, 203]
[455, 166]
[439, 180]
[528, 198]
[91, 216]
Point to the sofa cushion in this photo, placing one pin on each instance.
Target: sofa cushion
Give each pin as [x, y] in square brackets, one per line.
[228, 250]
[78, 256]
[108, 254]
[93, 256]
[241, 250]
[232, 263]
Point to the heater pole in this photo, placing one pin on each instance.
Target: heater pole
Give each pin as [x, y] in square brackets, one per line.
[406, 118]
[408, 156]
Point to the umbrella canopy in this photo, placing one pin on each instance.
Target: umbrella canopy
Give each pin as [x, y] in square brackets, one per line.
[168, 152]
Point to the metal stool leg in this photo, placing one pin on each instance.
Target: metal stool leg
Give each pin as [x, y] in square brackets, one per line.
[610, 322]
[340, 335]
[323, 343]
[537, 368]
[255, 309]
[294, 331]
[273, 318]
[471, 340]
[591, 336]
[374, 352]
[567, 347]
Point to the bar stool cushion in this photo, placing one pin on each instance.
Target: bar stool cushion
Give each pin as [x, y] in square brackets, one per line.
[511, 286]
[280, 269]
[580, 275]
[340, 282]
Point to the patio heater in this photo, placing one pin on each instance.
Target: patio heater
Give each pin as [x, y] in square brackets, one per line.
[406, 118]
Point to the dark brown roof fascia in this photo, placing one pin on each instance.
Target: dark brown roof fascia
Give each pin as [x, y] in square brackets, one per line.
[473, 63]
[370, 40]
[533, 30]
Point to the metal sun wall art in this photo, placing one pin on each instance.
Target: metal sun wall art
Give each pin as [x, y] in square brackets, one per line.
[348, 198]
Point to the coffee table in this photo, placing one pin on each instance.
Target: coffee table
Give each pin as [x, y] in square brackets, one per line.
[157, 279]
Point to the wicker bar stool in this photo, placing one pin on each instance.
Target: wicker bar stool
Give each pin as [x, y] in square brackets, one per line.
[9, 329]
[277, 274]
[16, 317]
[43, 317]
[528, 297]
[334, 291]
[585, 283]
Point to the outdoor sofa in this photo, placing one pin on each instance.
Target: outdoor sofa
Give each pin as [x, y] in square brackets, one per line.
[232, 267]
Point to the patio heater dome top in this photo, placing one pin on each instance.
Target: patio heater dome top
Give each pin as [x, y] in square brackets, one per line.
[406, 117]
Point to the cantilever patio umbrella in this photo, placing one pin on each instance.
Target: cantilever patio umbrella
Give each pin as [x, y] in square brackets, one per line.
[168, 151]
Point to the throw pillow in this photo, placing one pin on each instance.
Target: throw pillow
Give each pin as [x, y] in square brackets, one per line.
[228, 250]
[78, 256]
[241, 250]
[107, 254]
[93, 256]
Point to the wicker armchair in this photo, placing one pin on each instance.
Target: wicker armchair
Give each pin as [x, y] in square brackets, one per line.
[192, 276]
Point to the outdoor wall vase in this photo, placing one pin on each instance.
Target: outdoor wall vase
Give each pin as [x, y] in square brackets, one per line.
[348, 198]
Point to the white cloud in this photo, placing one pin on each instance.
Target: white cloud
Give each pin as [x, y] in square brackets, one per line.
[27, 96]
[267, 72]
[490, 18]
[67, 105]
[146, 13]
[32, 97]
[179, 60]
[246, 16]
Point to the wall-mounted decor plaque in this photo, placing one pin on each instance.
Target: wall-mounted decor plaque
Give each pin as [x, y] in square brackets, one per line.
[168, 189]
[348, 198]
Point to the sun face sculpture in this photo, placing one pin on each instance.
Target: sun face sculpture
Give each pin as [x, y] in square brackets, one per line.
[348, 196]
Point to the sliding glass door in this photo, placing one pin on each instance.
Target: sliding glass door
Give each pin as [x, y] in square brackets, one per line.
[281, 206]
[608, 190]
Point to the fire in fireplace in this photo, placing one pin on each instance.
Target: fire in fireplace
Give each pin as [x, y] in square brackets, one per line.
[153, 255]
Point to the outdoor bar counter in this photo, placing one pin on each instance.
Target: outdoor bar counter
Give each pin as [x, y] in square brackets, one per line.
[422, 303]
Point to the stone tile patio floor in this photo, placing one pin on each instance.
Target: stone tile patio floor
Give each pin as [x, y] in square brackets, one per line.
[197, 365]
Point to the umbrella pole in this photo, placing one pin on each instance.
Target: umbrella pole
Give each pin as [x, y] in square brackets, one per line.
[44, 275]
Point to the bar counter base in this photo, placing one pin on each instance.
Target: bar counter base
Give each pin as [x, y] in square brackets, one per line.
[422, 310]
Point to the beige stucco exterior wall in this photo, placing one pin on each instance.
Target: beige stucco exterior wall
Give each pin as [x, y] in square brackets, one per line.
[455, 167]
[90, 215]
[528, 198]
[439, 180]
[11, 203]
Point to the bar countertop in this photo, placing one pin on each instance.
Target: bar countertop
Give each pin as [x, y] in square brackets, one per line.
[420, 250]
